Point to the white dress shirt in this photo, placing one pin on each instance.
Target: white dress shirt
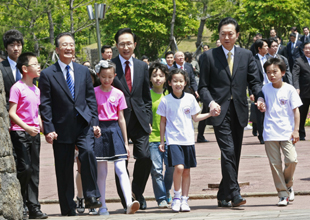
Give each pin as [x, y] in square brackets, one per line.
[13, 67]
[64, 69]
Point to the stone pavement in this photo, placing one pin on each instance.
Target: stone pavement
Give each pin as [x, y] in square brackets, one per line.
[254, 168]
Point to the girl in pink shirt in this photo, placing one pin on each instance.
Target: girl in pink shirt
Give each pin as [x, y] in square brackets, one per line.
[113, 143]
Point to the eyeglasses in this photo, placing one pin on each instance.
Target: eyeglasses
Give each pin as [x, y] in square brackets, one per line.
[34, 65]
[123, 45]
[68, 44]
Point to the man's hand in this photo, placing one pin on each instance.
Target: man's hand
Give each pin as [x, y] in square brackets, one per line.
[252, 98]
[128, 151]
[97, 131]
[197, 95]
[215, 109]
[50, 137]
[261, 105]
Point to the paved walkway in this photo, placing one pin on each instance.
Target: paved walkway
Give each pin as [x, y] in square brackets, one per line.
[254, 169]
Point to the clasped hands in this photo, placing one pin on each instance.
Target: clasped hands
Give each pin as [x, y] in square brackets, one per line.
[50, 137]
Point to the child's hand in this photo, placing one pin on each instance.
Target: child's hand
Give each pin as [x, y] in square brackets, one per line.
[162, 147]
[215, 109]
[261, 105]
[128, 151]
[295, 136]
[150, 128]
[97, 131]
[33, 131]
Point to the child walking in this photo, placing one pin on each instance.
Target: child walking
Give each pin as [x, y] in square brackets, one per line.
[177, 110]
[161, 184]
[281, 126]
[25, 132]
[113, 143]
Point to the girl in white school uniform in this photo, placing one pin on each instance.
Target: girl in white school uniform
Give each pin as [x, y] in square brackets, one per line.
[177, 111]
[113, 143]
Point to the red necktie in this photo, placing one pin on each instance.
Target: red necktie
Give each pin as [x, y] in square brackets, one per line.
[181, 67]
[128, 75]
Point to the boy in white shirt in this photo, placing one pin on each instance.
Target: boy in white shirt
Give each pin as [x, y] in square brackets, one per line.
[281, 126]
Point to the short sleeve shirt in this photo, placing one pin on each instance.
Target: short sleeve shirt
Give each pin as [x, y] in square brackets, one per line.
[28, 100]
[109, 103]
[178, 113]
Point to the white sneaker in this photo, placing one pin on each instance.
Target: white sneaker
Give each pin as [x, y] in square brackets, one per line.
[176, 205]
[283, 201]
[133, 207]
[184, 205]
[292, 194]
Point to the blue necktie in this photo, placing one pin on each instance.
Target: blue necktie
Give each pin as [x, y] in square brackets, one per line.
[18, 75]
[70, 81]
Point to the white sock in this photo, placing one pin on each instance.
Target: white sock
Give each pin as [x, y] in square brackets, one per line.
[79, 185]
[177, 194]
[102, 169]
[120, 170]
[184, 198]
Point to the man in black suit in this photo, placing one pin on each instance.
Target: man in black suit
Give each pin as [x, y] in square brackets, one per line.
[295, 31]
[13, 42]
[293, 49]
[281, 49]
[301, 81]
[70, 118]
[272, 52]
[252, 48]
[133, 80]
[306, 36]
[225, 73]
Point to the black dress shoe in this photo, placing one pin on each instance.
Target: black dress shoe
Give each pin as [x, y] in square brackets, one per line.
[142, 203]
[261, 141]
[238, 201]
[223, 203]
[254, 134]
[202, 140]
[92, 203]
[37, 214]
[302, 138]
[72, 212]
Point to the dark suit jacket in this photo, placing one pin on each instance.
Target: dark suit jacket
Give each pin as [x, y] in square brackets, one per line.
[139, 99]
[253, 50]
[301, 76]
[58, 109]
[8, 79]
[282, 51]
[190, 71]
[296, 53]
[302, 39]
[216, 83]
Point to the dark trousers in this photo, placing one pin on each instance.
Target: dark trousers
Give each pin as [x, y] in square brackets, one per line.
[141, 153]
[27, 157]
[202, 124]
[303, 116]
[64, 160]
[229, 137]
[260, 123]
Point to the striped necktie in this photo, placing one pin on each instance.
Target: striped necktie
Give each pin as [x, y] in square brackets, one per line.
[70, 81]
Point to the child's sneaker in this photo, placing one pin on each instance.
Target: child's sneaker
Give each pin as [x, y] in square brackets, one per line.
[163, 204]
[103, 211]
[80, 205]
[292, 194]
[176, 205]
[93, 212]
[184, 205]
[133, 207]
[283, 201]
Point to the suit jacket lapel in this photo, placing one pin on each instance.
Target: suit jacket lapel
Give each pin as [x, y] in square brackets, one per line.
[222, 58]
[7, 67]
[120, 74]
[237, 58]
[304, 58]
[77, 80]
[61, 79]
[259, 65]
[136, 68]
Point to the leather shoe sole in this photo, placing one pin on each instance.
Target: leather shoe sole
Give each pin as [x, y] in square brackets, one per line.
[202, 141]
[38, 215]
[238, 201]
[223, 203]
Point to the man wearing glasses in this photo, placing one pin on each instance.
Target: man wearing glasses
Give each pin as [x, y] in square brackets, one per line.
[133, 80]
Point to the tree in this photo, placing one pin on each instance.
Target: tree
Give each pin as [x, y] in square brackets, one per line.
[150, 21]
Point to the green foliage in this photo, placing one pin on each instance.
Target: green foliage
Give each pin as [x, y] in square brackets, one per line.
[150, 21]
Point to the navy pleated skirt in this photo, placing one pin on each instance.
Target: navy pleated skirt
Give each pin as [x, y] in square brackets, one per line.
[110, 145]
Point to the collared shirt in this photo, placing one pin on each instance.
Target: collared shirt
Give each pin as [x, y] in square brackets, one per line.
[64, 69]
[124, 66]
[308, 58]
[262, 60]
[227, 51]
[13, 67]
[169, 66]
[305, 39]
[180, 67]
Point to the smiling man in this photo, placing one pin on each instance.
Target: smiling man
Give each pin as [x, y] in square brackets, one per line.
[225, 73]
[70, 118]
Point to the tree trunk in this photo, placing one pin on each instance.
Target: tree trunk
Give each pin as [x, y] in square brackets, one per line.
[202, 24]
[172, 42]
[51, 27]
[71, 17]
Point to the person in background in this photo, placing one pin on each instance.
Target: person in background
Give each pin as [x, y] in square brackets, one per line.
[169, 56]
[106, 52]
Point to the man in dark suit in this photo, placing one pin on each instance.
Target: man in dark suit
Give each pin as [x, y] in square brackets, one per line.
[252, 48]
[13, 43]
[133, 80]
[306, 36]
[293, 49]
[225, 73]
[106, 52]
[295, 31]
[70, 118]
[281, 49]
[301, 81]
